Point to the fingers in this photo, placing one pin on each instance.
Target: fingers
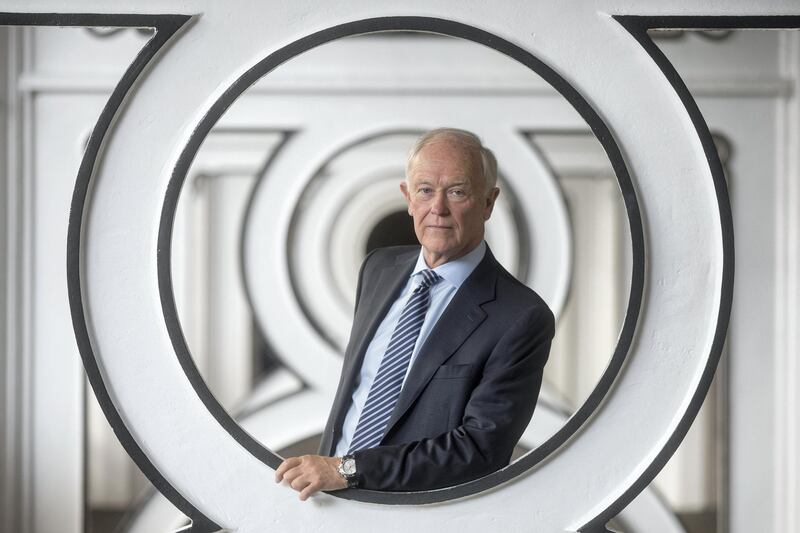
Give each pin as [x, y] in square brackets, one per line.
[307, 475]
[310, 489]
[301, 484]
[285, 466]
[306, 483]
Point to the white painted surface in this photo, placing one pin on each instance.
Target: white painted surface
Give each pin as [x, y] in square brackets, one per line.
[751, 393]
[647, 513]
[661, 373]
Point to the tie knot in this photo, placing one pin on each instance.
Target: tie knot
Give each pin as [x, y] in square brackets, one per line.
[429, 278]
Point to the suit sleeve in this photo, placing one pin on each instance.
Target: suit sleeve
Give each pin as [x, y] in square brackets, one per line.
[498, 411]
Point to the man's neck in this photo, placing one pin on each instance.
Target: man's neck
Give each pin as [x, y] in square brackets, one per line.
[433, 260]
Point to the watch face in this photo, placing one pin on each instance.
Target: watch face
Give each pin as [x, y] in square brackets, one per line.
[349, 467]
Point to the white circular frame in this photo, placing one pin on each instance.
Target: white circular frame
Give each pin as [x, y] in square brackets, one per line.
[117, 269]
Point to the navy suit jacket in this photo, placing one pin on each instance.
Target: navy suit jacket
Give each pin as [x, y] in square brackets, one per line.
[472, 388]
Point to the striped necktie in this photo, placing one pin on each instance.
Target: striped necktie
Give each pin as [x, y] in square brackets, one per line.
[385, 389]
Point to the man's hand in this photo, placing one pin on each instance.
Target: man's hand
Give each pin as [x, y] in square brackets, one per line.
[308, 474]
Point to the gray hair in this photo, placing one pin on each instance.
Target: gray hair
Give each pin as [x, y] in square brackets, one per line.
[469, 140]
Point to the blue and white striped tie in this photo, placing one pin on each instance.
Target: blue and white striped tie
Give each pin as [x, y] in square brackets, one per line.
[385, 389]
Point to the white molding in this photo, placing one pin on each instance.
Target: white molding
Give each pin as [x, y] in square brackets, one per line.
[319, 83]
[787, 297]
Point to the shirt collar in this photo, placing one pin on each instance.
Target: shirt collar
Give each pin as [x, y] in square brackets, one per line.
[456, 271]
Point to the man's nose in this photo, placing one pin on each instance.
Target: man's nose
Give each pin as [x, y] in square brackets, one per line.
[439, 206]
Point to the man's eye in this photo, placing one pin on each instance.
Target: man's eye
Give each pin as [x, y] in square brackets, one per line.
[458, 193]
[425, 190]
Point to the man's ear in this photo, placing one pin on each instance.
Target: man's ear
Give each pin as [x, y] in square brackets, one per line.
[404, 190]
[490, 200]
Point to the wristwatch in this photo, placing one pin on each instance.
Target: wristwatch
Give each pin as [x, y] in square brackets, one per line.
[347, 469]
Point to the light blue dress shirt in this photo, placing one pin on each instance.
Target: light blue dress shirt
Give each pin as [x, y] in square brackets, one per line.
[453, 274]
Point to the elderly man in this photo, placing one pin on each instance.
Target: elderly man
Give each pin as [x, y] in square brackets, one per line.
[447, 349]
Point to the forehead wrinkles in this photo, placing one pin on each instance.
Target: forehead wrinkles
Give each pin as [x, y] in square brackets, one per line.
[452, 161]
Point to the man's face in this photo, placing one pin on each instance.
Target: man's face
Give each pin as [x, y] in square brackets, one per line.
[446, 196]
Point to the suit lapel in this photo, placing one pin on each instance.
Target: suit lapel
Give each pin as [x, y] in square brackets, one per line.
[458, 321]
[391, 279]
[390, 282]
